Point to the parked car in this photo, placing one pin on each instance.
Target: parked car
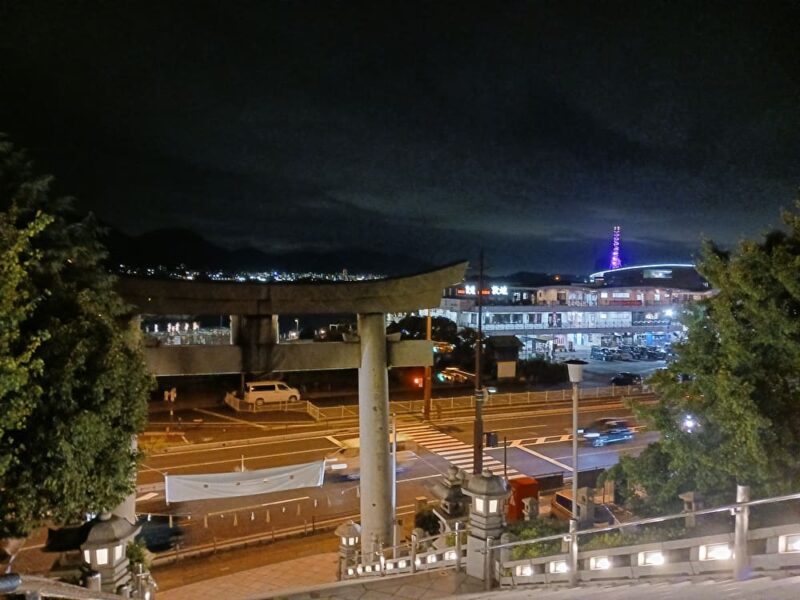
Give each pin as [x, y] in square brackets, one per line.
[266, 392]
[157, 534]
[604, 354]
[606, 431]
[625, 378]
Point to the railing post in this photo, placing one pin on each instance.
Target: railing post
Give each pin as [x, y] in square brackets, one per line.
[741, 561]
[413, 552]
[458, 546]
[487, 564]
[573, 550]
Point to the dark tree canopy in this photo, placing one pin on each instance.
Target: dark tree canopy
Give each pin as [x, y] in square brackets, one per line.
[74, 385]
[742, 354]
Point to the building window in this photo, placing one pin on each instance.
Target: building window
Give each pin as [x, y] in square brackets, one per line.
[621, 295]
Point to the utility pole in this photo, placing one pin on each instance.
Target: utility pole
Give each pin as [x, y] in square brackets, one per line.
[477, 442]
[426, 410]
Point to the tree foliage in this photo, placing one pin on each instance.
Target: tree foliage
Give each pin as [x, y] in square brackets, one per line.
[742, 352]
[74, 385]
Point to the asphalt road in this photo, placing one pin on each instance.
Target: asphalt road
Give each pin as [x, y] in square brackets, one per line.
[537, 439]
[538, 445]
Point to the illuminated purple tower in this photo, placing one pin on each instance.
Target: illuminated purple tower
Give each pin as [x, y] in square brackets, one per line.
[615, 263]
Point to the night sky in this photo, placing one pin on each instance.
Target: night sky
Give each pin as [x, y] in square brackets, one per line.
[421, 128]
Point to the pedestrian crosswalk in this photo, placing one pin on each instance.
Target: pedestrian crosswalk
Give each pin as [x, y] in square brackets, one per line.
[453, 450]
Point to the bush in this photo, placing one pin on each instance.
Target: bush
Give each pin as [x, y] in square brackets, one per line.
[427, 521]
[138, 554]
[537, 528]
[538, 371]
[660, 532]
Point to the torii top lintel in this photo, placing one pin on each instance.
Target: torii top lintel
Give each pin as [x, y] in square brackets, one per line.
[397, 294]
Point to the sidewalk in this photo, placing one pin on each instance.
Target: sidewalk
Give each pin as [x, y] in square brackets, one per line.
[315, 577]
[262, 582]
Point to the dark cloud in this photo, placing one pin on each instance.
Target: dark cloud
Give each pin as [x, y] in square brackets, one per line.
[424, 128]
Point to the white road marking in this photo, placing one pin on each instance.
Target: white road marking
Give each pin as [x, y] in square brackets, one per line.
[543, 457]
[286, 501]
[229, 418]
[451, 449]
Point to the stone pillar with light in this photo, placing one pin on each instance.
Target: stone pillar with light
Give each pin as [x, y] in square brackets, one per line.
[488, 495]
[575, 368]
[349, 534]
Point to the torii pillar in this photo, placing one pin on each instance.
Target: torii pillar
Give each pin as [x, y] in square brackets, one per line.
[373, 411]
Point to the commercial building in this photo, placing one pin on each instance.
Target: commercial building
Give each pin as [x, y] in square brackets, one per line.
[636, 305]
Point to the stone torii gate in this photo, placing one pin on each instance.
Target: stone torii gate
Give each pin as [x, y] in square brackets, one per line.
[255, 347]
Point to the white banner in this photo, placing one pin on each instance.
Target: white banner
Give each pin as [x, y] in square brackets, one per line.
[183, 488]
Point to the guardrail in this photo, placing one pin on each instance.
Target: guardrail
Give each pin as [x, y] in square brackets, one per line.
[439, 405]
[301, 406]
[518, 399]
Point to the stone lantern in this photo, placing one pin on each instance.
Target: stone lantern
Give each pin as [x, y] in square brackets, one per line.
[349, 535]
[105, 550]
[450, 494]
[486, 518]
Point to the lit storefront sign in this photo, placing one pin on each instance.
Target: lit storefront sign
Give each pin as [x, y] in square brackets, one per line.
[472, 290]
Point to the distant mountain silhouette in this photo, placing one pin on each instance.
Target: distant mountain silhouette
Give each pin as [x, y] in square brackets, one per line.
[173, 247]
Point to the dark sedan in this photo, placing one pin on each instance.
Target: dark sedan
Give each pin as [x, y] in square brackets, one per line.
[626, 379]
[606, 431]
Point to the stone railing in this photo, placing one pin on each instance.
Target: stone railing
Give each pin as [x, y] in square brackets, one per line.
[442, 551]
[737, 552]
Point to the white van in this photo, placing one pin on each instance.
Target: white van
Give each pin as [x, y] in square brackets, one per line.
[265, 392]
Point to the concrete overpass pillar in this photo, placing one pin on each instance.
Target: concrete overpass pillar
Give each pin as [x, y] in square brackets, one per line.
[257, 335]
[235, 330]
[373, 412]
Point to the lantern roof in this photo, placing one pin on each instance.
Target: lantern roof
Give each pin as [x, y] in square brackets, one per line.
[486, 485]
[348, 529]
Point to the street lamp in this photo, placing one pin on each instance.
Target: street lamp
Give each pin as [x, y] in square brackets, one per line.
[297, 328]
[575, 368]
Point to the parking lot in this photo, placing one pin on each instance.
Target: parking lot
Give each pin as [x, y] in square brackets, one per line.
[598, 372]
